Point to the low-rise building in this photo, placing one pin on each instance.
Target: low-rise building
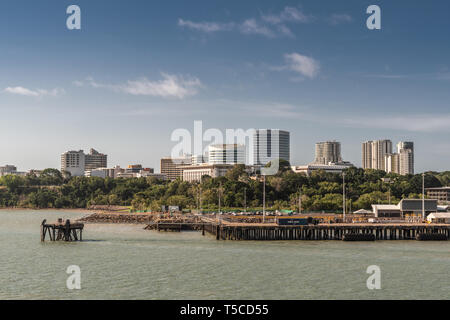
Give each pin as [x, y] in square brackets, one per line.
[441, 194]
[195, 173]
[332, 168]
[406, 207]
[133, 171]
[386, 211]
[104, 172]
[439, 217]
[171, 167]
[8, 169]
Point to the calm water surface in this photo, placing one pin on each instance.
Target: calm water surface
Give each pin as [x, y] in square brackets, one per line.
[127, 262]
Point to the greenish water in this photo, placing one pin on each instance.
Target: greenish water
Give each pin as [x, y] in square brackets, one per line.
[127, 262]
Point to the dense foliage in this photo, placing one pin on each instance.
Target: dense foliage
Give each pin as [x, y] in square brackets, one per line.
[320, 192]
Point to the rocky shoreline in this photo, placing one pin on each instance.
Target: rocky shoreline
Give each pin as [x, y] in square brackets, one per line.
[118, 218]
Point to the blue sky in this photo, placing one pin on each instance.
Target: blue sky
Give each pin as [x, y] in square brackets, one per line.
[140, 69]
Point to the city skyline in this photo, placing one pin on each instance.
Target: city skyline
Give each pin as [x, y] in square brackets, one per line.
[316, 72]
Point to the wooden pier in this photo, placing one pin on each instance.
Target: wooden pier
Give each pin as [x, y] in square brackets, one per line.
[226, 229]
[61, 231]
[368, 232]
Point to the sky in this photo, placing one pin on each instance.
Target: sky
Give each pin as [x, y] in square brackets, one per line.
[138, 70]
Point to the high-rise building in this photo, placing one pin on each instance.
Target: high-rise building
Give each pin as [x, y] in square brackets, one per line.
[73, 162]
[77, 162]
[226, 154]
[269, 145]
[95, 159]
[401, 162]
[392, 163]
[328, 152]
[367, 155]
[406, 151]
[171, 167]
[406, 162]
[374, 154]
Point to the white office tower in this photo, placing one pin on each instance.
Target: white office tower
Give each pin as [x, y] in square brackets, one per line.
[269, 145]
[226, 154]
[73, 162]
[374, 154]
[328, 152]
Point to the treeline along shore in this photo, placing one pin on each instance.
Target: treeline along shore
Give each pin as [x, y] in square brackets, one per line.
[319, 192]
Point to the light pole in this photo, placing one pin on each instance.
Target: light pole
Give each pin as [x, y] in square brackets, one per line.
[220, 194]
[198, 199]
[343, 194]
[245, 199]
[300, 201]
[264, 198]
[423, 196]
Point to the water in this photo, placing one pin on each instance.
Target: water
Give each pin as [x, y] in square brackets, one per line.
[127, 262]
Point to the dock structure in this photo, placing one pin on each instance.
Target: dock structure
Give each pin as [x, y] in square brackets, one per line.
[228, 230]
[361, 232]
[177, 224]
[62, 231]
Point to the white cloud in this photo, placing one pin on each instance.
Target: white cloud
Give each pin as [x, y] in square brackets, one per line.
[251, 26]
[207, 27]
[34, 93]
[304, 65]
[285, 30]
[289, 14]
[271, 25]
[171, 86]
[338, 18]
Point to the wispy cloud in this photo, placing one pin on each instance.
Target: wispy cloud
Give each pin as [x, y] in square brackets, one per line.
[207, 27]
[306, 66]
[268, 25]
[34, 93]
[339, 18]
[170, 86]
[289, 14]
[251, 26]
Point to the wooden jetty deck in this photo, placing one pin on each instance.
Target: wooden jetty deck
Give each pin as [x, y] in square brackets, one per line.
[228, 230]
[328, 231]
[62, 231]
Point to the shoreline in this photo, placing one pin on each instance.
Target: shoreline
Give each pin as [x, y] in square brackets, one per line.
[48, 209]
